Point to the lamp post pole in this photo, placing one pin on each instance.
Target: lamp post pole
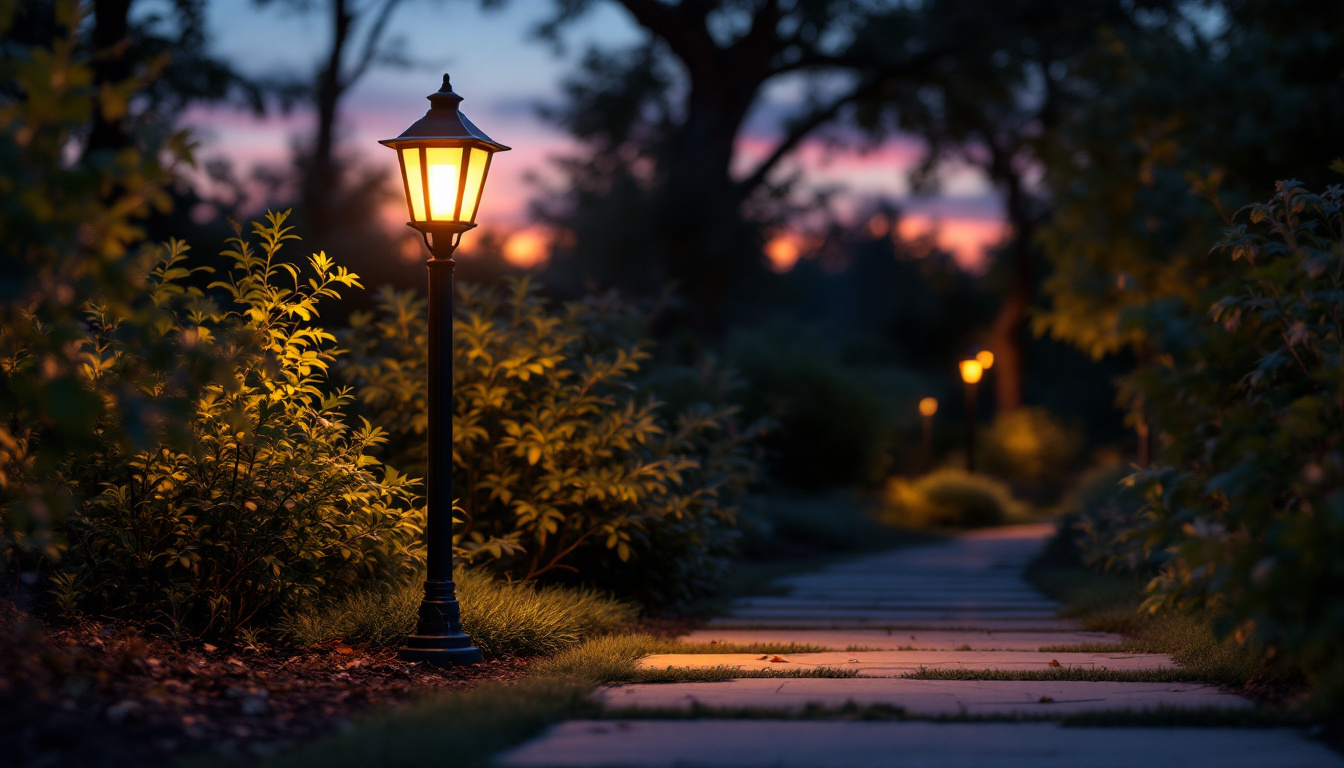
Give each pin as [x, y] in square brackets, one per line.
[971, 371]
[438, 637]
[970, 426]
[444, 160]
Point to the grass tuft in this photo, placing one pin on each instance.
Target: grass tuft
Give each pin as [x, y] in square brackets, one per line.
[469, 726]
[501, 617]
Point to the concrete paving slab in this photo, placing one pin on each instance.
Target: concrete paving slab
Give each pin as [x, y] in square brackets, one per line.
[895, 623]
[925, 698]
[879, 614]
[898, 663]
[869, 604]
[894, 640]
[795, 744]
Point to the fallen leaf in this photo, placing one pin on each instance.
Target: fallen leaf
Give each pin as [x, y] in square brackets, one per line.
[853, 661]
[762, 658]
[1046, 700]
[347, 650]
[210, 648]
[779, 660]
[1054, 663]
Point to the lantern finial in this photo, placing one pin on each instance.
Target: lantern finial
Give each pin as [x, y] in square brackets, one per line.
[445, 98]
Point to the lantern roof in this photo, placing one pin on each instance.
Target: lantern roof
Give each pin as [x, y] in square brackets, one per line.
[444, 122]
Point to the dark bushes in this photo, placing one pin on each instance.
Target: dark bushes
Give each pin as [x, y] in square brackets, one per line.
[568, 467]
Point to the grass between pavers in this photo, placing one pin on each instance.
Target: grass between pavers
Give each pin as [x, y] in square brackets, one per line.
[472, 725]
[1070, 674]
[1110, 603]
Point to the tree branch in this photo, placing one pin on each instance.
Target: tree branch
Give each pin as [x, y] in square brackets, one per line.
[371, 41]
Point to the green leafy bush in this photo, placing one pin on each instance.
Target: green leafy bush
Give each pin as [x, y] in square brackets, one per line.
[1249, 501]
[566, 464]
[1106, 518]
[69, 227]
[832, 420]
[274, 497]
[501, 617]
[1030, 447]
[949, 498]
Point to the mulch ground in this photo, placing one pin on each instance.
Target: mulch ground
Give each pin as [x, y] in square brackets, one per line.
[100, 695]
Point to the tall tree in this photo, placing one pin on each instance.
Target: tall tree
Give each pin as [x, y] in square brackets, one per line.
[330, 193]
[1170, 131]
[993, 107]
[663, 125]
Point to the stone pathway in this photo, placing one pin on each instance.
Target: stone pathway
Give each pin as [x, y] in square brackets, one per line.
[961, 605]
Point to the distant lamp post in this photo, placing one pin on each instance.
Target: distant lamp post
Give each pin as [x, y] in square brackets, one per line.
[971, 371]
[927, 408]
[444, 160]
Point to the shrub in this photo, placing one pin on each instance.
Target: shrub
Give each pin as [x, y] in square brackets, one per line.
[1106, 510]
[501, 617]
[275, 496]
[567, 465]
[1250, 500]
[69, 225]
[949, 498]
[1030, 446]
[832, 424]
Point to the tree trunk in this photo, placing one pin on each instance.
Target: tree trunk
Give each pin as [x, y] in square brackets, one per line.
[1008, 333]
[111, 65]
[320, 181]
[699, 209]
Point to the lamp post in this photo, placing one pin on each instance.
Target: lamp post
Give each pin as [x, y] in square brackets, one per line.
[444, 160]
[971, 371]
[927, 407]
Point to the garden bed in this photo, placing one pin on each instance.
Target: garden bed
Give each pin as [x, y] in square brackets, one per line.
[96, 694]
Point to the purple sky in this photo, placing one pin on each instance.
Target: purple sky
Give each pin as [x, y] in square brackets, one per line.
[501, 70]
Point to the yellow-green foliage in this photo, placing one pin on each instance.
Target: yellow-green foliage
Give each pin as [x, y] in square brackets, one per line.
[501, 617]
[948, 498]
[1029, 446]
[273, 498]
[64, 240]
[565, 461]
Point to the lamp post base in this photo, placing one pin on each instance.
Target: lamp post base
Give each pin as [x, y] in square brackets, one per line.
[447, 657]
[439, 639]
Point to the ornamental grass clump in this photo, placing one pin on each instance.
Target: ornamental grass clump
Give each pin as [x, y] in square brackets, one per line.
[272, 497]
[513, 618]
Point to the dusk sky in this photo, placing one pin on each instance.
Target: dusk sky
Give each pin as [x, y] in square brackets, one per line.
[503, 71]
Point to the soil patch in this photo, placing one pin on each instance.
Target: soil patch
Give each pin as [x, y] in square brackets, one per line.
[103, 695]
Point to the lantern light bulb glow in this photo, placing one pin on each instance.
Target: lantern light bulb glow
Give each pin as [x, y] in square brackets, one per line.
[985, 358]
[928, 406]
[442, 191]
[971, 371]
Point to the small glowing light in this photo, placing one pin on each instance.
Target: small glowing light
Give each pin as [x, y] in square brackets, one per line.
[442, 191]
[985, 358]
[971, 371]
[783, 252]
[928, 406]
[527, 248]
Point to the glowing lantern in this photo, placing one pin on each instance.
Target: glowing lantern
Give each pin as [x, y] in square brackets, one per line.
[985, 358]
[971, 371]
[444, 162]
[928, 406]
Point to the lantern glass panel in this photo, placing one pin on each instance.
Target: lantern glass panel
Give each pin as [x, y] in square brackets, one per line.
[444, 176]
[415, 185]
[471, 196]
